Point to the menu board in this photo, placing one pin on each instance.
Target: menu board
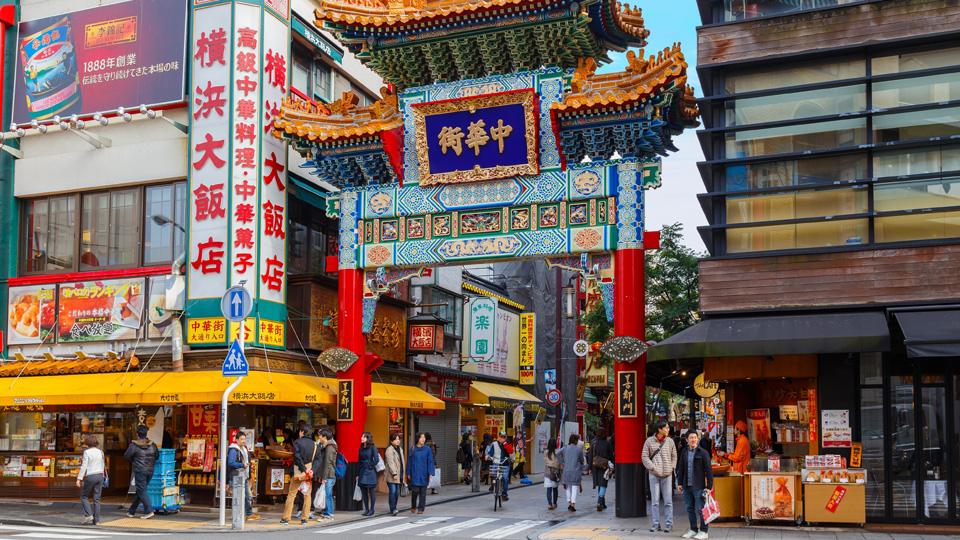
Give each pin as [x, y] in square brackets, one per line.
[31, 314]
[835, 428]
[101, 310]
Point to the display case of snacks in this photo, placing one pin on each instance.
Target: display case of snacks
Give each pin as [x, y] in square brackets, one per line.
[834, 476]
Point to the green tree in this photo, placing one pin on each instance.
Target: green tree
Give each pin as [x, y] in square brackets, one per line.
[671, 285]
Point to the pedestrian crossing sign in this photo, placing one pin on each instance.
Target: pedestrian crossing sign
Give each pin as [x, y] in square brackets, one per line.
[235, 365]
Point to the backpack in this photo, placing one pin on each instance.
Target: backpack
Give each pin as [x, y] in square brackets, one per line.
[340, 469]
[461, 457]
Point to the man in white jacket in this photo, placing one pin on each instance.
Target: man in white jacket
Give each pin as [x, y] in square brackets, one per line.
[660, 458]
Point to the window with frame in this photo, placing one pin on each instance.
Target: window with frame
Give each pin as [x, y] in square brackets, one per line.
[451, 311]
[322, 73]
[119, 228]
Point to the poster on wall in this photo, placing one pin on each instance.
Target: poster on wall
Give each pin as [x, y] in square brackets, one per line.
[772, 497]
[203, 419]
[81, 62]
[494, 424]
[101, 310]
[835, 428]
[549, 380]
[758, 430]
[31, 314]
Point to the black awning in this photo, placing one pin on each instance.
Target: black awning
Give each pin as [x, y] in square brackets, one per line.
[777, 335]
[930, 333]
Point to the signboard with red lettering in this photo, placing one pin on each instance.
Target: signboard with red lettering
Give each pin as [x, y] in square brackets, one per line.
[121, 55]
[203, 419]
[835, 499]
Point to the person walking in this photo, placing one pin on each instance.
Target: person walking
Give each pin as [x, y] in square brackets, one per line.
[90, 479]
[420, 469]
[466, 452]
[142, 455]
[694, 476]
[484, 464]
[572, 460]
[304, 452]
[393, 460]
[602, 452]
[238, 462]
[433, 448]
[551, 474]
[659, 457]
[367, 472]
[327, 471]
[498, 454]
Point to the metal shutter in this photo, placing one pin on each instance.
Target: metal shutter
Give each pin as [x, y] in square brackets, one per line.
[445, 430]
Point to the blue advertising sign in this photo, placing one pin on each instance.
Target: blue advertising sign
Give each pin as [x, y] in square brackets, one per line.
[477, 138]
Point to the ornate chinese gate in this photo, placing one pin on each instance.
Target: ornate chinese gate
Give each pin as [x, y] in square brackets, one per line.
[479, 153]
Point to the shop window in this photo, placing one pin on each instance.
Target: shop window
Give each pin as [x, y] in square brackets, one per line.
[797, 236]
[871, 368]
[794, 76]
[796, 172]
[799, 138]
[926, 196]
[451, 311]
[738, 10]
[916, 161]
[310, 239]
[797, 105]
[796, 205]
[322, 73]
[49, 234]
[916, 125]
[916, 91]
[915, 61]
[122, 228]
[872, 437]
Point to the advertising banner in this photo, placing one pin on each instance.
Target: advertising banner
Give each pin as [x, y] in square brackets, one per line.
[835, 428]
[758, 430]
[31, 314]
[549, 379]
[160, 320]
[98, 59]
[528, 347]
[101, 310]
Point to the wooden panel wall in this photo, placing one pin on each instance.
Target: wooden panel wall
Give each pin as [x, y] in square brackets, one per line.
[882, 276]
[827, 29]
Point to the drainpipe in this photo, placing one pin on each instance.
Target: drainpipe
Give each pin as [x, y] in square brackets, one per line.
[177, 338]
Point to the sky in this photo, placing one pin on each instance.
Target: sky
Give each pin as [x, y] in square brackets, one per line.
[676, 200]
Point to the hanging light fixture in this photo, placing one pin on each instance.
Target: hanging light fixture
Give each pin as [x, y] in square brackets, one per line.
[569, 302]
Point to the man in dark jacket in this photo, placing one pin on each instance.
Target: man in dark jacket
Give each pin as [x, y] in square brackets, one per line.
[326, 464]
[142, 455]
[694, 476]
[304, 452]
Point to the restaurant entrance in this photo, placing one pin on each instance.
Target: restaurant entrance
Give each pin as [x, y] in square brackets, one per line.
[911, 451]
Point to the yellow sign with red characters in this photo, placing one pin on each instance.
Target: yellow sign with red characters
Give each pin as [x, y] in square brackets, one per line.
[206, 330]
[271, 333]
[249, 327]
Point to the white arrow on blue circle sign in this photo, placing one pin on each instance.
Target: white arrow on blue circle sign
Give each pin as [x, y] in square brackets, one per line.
[236, 304]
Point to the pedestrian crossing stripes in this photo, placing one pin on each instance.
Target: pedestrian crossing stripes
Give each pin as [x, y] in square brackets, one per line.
[412, 525]
[509, 530]
[87, 533]
[358, 525]
[457, 527]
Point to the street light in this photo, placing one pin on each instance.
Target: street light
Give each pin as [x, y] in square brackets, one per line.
[569, 302]
[164, 220]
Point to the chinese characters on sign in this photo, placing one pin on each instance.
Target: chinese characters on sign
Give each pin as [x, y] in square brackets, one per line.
[206, 330]
[627, 399]
[476, 136]
[528, 347]
[344, 400]
[483, 314]
[203, 419]
[835, 498]
[422, 337]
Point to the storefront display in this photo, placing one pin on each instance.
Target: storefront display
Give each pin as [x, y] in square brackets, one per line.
[831, 492]
[774, 496]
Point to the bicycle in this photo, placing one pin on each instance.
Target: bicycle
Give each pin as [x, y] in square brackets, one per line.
[498, 488]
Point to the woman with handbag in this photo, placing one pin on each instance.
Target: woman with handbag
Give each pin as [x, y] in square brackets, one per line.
[90, 479]
[602, 452]
[393, 456]
[551, 475]
[368, 460]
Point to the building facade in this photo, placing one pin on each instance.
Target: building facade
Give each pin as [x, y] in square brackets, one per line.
[832, 173]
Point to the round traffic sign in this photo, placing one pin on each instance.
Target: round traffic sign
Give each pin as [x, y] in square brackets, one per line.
[553, 396]
[581, 348]
[236, 304]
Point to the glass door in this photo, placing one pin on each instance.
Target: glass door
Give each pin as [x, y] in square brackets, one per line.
[902, 442]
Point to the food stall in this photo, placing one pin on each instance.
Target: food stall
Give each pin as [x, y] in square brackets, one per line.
[833, 493]
[728, 491]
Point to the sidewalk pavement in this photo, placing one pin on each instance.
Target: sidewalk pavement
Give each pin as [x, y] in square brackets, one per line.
[198, 519]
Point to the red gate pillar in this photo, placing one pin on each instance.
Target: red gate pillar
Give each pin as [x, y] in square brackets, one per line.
[630, 433]
[350, 336]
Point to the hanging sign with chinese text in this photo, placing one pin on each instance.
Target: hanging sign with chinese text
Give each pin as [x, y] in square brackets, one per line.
[344, 400]
[483, 317]
[627, 399]
[528, 347]
[477, 138]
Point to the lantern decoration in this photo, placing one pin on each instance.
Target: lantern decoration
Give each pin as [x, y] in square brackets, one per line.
[425, 333]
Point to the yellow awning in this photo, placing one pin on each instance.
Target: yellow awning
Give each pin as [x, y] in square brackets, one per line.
[404, 397]
[487, 393]
[208, 387]
[87, 388]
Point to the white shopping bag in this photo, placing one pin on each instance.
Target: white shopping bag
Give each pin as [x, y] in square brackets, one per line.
[320, 500]
[711, 510]
[435, 481]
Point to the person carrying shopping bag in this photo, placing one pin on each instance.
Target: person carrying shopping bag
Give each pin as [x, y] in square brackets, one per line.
[420, 469]
[304, 452]
[551, 475]
[694, 476]
[90, 479]
[327, 472]
[602, 455]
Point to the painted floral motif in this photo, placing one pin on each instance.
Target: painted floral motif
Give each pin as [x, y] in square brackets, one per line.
[549, 216]
[389, 231]
[478, 247]
[578, 214]
[587, 239]
[415, 228]
[441, 225]
[378, 255]
[479, 222]
[520, 219]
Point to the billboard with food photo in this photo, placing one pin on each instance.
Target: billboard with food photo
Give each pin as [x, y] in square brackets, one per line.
[758, 430]
[101, 310]
[31, 314]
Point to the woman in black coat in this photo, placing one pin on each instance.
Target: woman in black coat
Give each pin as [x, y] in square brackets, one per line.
[602, 452]
[367, 472]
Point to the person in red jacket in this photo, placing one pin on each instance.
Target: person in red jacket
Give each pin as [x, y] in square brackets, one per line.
[741, 451]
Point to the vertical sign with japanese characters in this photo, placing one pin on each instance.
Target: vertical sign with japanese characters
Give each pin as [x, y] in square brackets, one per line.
[209, 153]
[528, 347]
[273, 192]
[344, 400]
[244, 210]
[627, 394]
